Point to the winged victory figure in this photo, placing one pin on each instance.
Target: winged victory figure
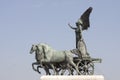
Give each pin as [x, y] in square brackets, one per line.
[83, 23]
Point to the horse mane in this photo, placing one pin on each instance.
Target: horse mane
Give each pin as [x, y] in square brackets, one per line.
[47, 46]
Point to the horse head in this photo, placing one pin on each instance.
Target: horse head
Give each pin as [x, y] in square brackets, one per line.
[33, 48]
[39, 47]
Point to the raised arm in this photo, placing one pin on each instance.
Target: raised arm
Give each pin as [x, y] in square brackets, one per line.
[71, 26]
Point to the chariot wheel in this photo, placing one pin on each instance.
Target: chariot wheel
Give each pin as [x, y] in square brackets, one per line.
[86, 67]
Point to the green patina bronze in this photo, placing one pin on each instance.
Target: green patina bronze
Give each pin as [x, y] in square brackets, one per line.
[65, 62]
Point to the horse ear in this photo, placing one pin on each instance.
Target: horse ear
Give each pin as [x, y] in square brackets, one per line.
[33, 45]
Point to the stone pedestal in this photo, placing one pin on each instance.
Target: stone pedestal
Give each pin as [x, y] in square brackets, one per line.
[73, 77]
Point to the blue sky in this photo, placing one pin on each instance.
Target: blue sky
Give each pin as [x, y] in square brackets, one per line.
[27, 22]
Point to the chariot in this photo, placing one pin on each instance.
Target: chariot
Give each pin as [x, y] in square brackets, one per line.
[86, 65]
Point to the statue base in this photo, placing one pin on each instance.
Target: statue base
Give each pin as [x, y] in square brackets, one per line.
[72, 77]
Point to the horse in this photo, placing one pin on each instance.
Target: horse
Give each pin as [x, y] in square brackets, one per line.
[52, 56]
[38, 58]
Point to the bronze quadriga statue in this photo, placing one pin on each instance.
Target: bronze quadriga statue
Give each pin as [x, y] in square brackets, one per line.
[63, 62]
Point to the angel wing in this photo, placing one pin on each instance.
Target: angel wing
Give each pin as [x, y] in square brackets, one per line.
[84, 19]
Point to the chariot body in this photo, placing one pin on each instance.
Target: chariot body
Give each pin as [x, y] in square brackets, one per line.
[86, 65]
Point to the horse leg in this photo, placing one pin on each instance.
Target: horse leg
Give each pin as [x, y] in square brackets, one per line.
[69, 59]
[54, 69]
[35, 63]
[70, 69]
[57, 71]
[63, 71]
[65, 67]
[47, 70]
[76, 68]
[38, 69]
